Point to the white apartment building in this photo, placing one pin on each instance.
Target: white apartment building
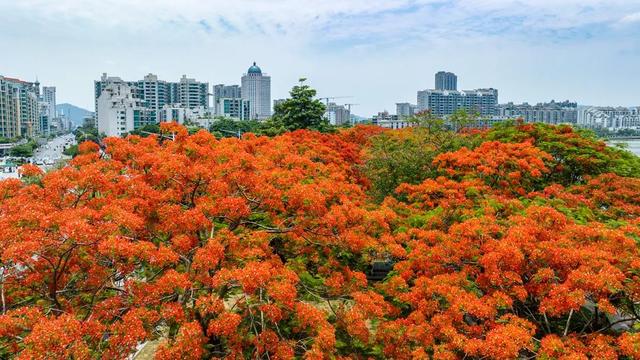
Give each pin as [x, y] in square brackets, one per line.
[256, 88]
[182, 114]
[119, 111]
[611, 118]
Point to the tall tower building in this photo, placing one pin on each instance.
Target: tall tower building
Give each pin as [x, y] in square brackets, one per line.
[192, 93]
[446, 81]
[49, 97]
[9, 108]
[256, 88]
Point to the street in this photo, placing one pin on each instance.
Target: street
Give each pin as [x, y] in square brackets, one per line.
[48, 155]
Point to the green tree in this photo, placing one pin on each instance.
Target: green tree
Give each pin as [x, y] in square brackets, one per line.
[577, 153]
[462, 119]
[23, 150]
[71, 150]
[301, 111]
[406, 156]
[87, 133]
[229, 127]
[146, 130]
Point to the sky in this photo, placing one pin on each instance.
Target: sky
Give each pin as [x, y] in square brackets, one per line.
[377, 52]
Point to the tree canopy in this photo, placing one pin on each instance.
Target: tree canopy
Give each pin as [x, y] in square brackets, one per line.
[301, 110]
[265, 247]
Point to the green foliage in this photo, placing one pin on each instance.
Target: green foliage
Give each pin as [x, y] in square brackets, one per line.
[23, 150]
[229, 127]
[71, 150]
[4, 140]
[576, 152]
[462, 119]
[301, 111]
[86, 133]
[146, 130]
[406, 156]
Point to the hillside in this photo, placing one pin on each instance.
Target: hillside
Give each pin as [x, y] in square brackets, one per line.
[74, 113]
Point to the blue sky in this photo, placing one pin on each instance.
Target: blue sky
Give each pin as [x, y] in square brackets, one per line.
[378, 51]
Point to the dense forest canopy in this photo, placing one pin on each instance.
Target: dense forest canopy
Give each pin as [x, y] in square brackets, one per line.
[517, 242]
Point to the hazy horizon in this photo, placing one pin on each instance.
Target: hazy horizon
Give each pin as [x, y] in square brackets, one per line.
[378, 51]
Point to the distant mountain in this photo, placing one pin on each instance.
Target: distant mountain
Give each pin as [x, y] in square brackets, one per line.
[73, 113]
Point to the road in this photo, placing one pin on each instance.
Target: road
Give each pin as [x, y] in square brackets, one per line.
[48, 155]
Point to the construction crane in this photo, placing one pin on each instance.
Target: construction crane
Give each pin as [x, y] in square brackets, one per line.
[333, 98]
[350, 105]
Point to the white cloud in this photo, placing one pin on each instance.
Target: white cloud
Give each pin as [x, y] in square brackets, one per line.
[631, 18]
[379, 51]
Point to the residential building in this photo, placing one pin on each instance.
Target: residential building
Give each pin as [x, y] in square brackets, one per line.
[182, 114]
[386, 120]
[337, 114]
[9, 109]
[406, 110]
[19, 108]
[446, 102]
[44, 125]
[192, 93]
[256, 88]
[446, 81]
[565, 112]
[222, 91]
[445, 99]
[49, 97]
[119, 110]
[611, 118]
[237, 108]
[155, 93]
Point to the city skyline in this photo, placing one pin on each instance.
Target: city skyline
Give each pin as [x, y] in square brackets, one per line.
[378, 52]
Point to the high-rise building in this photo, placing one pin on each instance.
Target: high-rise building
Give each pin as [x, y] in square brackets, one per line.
[120, 110]
[446, 102]
[337, 114]
[155, 93]
[19, 108]
[256, 88]
[446, 81]
[9, 109]
[445, 99]
[49, 97]
[549, 113]
[192, 93]
[222, 91]
[405, 110]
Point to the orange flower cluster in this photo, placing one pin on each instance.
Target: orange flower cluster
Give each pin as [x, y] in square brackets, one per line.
[262, 248]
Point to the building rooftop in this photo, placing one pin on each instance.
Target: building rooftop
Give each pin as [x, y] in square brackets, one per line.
[254, 69]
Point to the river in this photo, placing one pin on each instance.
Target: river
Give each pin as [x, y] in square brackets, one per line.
[632, 145]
